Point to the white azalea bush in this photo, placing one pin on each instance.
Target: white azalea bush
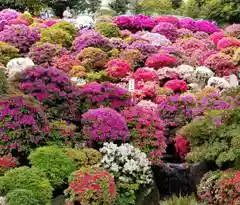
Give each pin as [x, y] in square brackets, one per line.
[130, 167]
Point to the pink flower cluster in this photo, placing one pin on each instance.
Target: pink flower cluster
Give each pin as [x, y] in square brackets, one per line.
[166, 29]
[167, 19]
[176, 85]
[147, 131]
[160, 60]
[98, 126]
[145, 74]
[118, 68]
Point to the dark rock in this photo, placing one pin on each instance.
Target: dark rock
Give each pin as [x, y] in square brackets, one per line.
[173, 179]
[60, 200]
[149, 196]
[198, 169]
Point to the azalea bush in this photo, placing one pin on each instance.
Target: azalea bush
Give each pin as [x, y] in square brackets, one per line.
[19, 36]
[94, 95]
[98, 127]
[130, 167]
[147, 131]
[7, 162]
[108, 29]
[91, 185]
[53, 88]
[158, 61]
[23, 124]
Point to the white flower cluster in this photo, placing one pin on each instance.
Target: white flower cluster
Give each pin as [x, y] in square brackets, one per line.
[148, 104]
[186, 72]
[3, 200]
[219, 83]
[203, 73]
[18, 65]
[127, 163]
[156, 39]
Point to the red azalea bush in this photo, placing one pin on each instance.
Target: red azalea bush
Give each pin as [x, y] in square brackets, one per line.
[23, 124]
[216, 37]
[166, 29]
[160, 60]
[176, 85]
[228, 42]
[181, 146]
[7, 162]
[167, 19]
[94, 95]
[91, 185]
[104, 125]
[65, 62]
[118, 68]
[221, 64]
[220, 187]
[43, 53]
[145, 74]
[52, 88]
[147, 131]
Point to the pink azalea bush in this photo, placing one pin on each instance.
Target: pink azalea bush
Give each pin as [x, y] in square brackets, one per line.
[216, 37]
[118, 68]
[181, 146]
[221, 64]
[52, 88]
[228, 42]
[94, 95]
[98, 126]
[167, 19]
[145, 74]
[160, 60]
[147, 131]
[23, 124]
[43, 53]
[176, 85]
[65, 62]
[233, 30]
[144, 47]
[20, 36]
[188, 23]
[166, 29]
[184, 33]
[146, 89]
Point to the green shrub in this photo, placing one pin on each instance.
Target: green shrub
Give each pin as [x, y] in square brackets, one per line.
[108, 29]
[114, 53]
[181, 200]
[84, 157]
[7, 52]
[27, 178]
[56, 36]
[215, 138]
[21, 197]
[66, 26]
[93, 58]
[3, 82]
[54, 163]
[100, 76]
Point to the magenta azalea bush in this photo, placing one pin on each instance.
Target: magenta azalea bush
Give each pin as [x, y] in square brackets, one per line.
[23, 124]
[145, 74]
[176, 85]
[147, 131]
[98, 126]
[160, 60]
[118, 68]
[52, 88]
[20, 36]
[94, 95]
[166, 29]
[167, 19]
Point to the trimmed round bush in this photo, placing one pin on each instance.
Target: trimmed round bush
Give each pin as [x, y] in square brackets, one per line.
[157, 61]
[94, 95]
[31, 179]
[233, 30]
[7, 52]
[98, 126]
[77, 71]
[167, 19]
[100, 76]
[21, 197]
[118, 68]
[147, 131]
[56, 36]
[66, 26]
[65, 62]
[108, 29]
[207, 26]
[43, 53]
[84, 157]
[19, 36]
[23, 123]
[144, 47]
[132, 56]
[228, 42]
[93, 58]
[54, 162]
[176, 85]
[91, 185]
[145, 74]
[166, 29]
[52, 88]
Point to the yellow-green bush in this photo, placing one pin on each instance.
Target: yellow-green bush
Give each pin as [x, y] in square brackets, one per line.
[66, 26]
[108, 29]
[7, 52]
